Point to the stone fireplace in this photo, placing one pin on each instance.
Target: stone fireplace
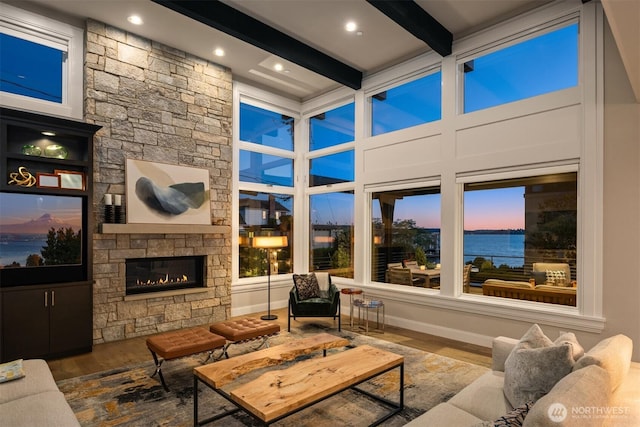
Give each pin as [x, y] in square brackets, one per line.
[160, 104]
[145, 275]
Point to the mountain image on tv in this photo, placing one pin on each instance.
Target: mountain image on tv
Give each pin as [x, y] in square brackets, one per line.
[44, 241]
[41, 225]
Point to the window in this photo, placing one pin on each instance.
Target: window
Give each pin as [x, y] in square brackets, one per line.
[331, 233]
[42, 62]
[265, 160]
[265, 127]
[264, 214]
[410, 104]
[332, 127]
[30, 69]
[514, 226]
[544, 64]
[265, 169]
[406, 234]
[331, 169]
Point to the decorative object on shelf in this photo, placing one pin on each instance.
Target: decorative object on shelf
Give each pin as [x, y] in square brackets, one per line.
[22, 178]
[31, 150]
[268, 243]
[56, 151]
[71, 180]
[48, 180]
[118, 209]
[109, 210]
[167, 194]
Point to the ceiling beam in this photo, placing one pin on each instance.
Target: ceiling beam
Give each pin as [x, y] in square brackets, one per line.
[410, 16]
[239, 25]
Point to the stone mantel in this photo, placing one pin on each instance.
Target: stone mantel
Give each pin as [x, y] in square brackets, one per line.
[163, 229]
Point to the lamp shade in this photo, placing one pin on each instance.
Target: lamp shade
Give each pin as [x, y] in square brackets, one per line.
[270, 242]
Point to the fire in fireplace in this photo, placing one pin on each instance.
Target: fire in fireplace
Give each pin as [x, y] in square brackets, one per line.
[164, 274]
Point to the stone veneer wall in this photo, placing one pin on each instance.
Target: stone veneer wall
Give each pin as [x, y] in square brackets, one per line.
[158, 104]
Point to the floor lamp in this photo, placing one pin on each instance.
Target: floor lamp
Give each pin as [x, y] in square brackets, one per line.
[268, 243]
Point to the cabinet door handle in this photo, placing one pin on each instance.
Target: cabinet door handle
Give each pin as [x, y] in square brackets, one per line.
[46, 299]
[53, 298]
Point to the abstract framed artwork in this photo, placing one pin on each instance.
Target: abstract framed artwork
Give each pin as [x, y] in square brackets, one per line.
[159, 193]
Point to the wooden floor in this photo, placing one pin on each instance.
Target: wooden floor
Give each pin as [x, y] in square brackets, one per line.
[132, 351]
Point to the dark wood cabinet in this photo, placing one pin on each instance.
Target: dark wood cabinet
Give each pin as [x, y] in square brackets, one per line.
[46, 321]
[46, 230]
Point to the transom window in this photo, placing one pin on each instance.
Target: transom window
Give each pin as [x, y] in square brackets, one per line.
[544, 64]
[407, 105]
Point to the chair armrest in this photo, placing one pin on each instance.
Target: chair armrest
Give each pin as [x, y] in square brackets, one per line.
[293, 295]
[501, 348]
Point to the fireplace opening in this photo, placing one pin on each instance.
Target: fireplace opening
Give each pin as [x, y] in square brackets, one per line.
[164, 274]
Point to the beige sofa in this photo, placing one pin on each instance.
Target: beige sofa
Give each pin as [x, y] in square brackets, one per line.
[604, 395]
[35, 400]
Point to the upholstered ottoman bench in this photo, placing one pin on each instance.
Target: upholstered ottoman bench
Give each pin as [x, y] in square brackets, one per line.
[180, 343]
[244, 330]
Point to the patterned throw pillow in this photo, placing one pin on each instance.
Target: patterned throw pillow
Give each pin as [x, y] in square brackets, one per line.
[556, 278]
[307, 285]
[514, 418]
[11, 371]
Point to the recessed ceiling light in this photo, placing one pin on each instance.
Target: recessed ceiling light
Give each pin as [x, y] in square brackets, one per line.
[218, 52]
[48, 133]
[351, 26]
[135, 20]
[278, 67]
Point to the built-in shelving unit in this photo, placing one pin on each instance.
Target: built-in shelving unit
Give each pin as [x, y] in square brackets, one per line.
[46, 280]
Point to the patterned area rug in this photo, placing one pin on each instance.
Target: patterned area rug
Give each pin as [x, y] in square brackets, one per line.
[129, 397]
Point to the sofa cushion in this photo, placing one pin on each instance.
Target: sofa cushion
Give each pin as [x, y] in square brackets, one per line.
[444, 414]
[484, 398]
[307, 286]
[540, 277]
[534, 366]
[48, 409]
[613, 354]
[37, 379]
[569, 402]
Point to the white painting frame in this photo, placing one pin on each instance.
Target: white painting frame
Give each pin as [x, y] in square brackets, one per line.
[160, 193]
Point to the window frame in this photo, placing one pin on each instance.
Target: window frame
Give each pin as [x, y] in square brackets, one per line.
[39, 29]
[246, 94]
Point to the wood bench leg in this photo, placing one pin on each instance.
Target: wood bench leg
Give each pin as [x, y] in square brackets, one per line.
[158, 371]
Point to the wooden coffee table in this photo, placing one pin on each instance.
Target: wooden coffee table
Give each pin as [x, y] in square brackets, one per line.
[279, 393]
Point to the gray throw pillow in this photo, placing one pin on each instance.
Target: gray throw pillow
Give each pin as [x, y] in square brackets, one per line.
[569, 338]
[307, 286]
[534, 366]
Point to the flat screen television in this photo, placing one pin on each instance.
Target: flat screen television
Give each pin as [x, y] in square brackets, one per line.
[41, 239]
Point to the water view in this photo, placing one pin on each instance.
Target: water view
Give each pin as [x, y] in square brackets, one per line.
[500, 248]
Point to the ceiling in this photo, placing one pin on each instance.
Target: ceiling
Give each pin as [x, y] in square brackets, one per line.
[318, 24]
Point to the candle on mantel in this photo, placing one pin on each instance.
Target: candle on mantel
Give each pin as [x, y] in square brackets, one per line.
[107, 199]
[117, 199]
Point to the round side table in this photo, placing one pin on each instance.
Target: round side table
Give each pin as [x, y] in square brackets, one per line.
[366, 305]
[351, 292]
